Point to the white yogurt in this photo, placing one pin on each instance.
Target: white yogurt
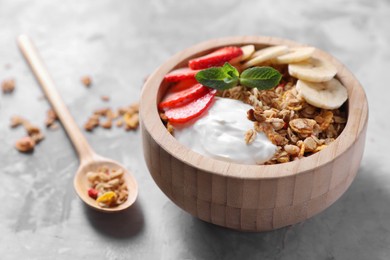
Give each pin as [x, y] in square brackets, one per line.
[220, 134]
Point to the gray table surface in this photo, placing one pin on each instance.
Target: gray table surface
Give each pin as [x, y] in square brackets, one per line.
[119, 43]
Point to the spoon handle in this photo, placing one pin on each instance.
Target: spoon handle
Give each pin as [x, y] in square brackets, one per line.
[31, 55]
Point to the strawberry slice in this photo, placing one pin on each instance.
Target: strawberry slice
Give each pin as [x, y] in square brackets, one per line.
[216, 58]
[183, 84]
[183, 114]
[176, 98]
[180, 74]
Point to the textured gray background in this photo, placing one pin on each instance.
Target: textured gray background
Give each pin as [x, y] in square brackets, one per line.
[119, 43]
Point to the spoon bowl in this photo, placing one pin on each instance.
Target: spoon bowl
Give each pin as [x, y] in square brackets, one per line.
[81, 183]
[89, 160]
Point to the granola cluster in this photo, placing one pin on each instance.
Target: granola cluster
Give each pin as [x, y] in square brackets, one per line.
[107, 186]
[297, 128]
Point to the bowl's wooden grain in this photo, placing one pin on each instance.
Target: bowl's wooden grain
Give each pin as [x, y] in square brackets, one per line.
[251, 197]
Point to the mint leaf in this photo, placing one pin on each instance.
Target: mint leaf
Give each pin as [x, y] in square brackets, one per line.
[219, 78]
[260, 77]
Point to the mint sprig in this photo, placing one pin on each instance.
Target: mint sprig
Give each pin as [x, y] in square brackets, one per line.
[219, 78]
[227, 76]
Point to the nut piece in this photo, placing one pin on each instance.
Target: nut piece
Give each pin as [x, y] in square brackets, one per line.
[8, 86]
[250, 136]
[51, 118]
[107, 124]
[34, 132]
[86, 80]
[92, 122]
[25, 144]
[17, 121]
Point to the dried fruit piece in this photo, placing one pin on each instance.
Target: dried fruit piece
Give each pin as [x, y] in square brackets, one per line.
[107, 198]
[191, 110]
[180, 74]
[179, 98]
[216, 58]
[131, 121]
[93, 193]
[25, 144]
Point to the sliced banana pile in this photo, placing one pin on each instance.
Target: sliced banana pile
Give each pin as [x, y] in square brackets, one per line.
[316, 82]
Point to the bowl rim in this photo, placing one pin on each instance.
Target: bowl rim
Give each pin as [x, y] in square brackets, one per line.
[151, 122]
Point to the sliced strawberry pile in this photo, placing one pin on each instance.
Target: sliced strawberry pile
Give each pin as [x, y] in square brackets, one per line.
[180, 74]
[216, 58]
[188, 99]
[195, 108]
[176, 98]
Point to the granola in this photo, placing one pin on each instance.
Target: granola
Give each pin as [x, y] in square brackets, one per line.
[296, 127]
[107, 186]
[8, 86]
[34, 134]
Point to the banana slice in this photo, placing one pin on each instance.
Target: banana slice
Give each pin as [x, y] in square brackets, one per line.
[328, 95]
[265, 54]
[295, 55]
[247, 50]
[313, 70]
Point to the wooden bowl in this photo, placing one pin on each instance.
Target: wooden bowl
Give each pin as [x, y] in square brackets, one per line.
[251, 197]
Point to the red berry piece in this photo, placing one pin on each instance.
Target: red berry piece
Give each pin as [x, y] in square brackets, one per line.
[183, 84]
[183, 114]
[178, 98]
[180, 74]
[216, 58]
[93, 193]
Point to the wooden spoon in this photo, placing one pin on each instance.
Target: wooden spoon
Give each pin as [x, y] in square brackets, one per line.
[89, 160]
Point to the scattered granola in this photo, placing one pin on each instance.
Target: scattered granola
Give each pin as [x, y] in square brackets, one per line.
[124, 116]
[34, 134]
[8, 86]
[86, 80]
[107, 186]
